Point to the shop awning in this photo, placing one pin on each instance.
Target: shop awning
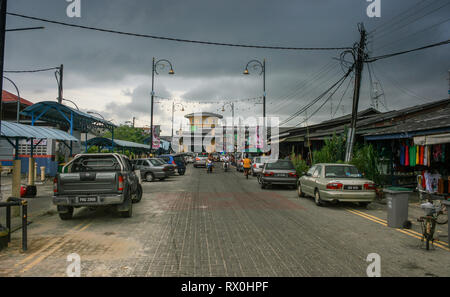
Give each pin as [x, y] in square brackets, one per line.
[432, 139]
[295, 139]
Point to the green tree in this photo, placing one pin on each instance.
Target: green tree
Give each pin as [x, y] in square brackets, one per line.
[128, 133]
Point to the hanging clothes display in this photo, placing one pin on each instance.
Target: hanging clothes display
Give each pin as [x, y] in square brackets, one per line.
[402, 155]
[412, 156]
[407, 155]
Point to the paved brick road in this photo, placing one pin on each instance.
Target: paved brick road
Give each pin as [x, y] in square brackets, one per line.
[221, 225]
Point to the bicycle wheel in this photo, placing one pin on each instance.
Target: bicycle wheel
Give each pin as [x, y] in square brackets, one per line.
[442, 217]
[427, 234]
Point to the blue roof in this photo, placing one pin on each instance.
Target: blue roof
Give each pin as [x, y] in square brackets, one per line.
[117, 143]
[14, 130]
[53, 112]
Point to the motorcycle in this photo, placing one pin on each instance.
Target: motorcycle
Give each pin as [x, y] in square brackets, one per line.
[226, 165]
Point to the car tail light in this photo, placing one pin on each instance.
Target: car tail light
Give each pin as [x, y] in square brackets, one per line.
[254, 165]
[292, 174]
[334, 186]
[268, 174]
[173, 162]
[369, 186]
[55, 185]
[120, 187]
[197, 159]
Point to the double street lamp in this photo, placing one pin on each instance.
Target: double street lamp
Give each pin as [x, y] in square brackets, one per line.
[162, 64]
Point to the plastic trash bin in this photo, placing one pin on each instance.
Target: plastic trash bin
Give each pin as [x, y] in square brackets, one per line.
[447, 203]
[397, 206]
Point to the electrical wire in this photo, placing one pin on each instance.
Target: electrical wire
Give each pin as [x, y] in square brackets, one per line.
[400, 17]
[373, 59]
[413, 34]
[406, 24]
[343, 95]
[315, 100]
[31, 71]
[323, 104]
[176, 39]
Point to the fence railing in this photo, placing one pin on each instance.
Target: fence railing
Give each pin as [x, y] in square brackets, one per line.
[24, 205]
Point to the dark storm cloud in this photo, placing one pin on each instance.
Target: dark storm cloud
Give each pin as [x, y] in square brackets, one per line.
[99, 60]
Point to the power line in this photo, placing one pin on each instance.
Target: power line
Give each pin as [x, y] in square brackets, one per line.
[414, 20]
[31, 71]
[398, 17]
[325, 102]
[370, 60]
[312, 102]
[412, 34]
[340, 101]
[177, 39]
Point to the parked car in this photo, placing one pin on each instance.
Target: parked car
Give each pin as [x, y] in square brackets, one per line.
[336, 183]
[280, 172]
[152, 169]
[96, 180]
[200, 160]
[176, 160]
[258, 165]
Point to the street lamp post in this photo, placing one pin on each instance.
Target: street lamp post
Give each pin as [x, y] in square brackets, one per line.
[154, 71]
[174, 105]
[64, 99]
[232, 116]
[257, 64]
[18, 98]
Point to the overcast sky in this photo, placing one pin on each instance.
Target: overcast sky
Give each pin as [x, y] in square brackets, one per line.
[111, 74]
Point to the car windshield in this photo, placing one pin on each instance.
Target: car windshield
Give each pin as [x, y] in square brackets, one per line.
[342, 172]
[97, 163]
[280, 165]
[156, 162]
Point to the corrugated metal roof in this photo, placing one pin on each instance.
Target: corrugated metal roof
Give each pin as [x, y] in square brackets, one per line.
[14, 130]
[117, 143]
[82, 121]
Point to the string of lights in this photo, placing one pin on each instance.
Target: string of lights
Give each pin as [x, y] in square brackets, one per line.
[218, 101]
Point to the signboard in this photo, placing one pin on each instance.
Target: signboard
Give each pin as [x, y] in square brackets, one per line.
[156, 140]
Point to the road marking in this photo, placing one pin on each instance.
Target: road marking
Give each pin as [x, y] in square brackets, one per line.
[399, 229]
[443, 245]
[31, 256]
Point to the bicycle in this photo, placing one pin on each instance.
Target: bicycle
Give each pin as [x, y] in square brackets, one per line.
[435, 200]
[428, 223]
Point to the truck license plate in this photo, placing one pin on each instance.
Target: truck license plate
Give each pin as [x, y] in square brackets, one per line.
[88, 199]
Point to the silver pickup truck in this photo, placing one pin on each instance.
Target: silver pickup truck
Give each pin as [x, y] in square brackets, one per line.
[96, 180]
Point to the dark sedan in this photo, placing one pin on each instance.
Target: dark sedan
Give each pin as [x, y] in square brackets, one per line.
[280, 172]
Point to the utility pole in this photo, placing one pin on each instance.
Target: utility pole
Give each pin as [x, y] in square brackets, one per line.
[2, 55]
[151, 104]
[134, 119]
[358, 74]
[60, 83]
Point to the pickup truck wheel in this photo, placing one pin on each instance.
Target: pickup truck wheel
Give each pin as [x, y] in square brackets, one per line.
[149, 177]
[66, 215]
[138, 195]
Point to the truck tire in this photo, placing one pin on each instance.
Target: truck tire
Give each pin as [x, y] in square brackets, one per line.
[66, 215]
[138, 195]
